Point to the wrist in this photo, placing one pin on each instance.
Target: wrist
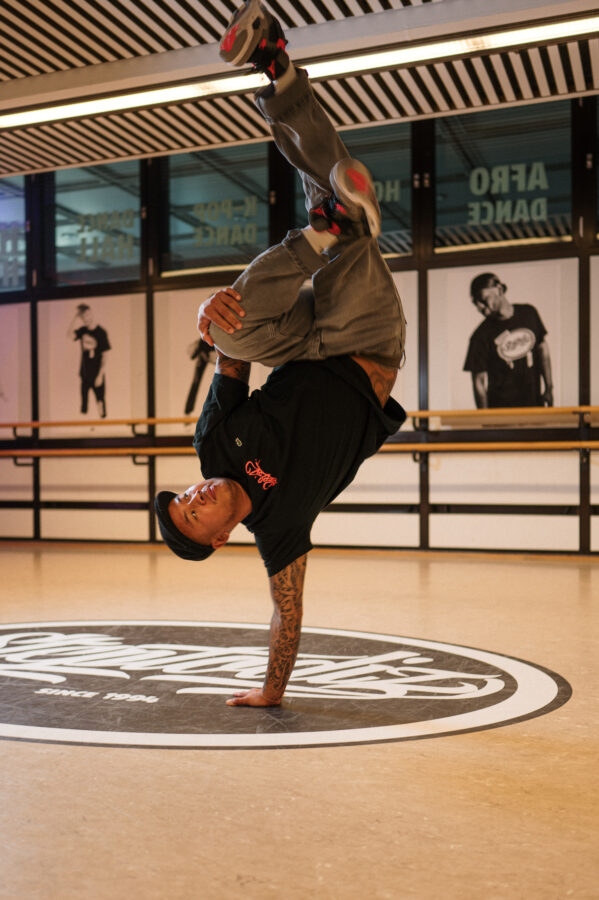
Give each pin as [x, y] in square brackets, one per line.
[271, 696]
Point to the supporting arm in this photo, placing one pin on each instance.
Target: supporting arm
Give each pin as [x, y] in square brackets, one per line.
[287, 588]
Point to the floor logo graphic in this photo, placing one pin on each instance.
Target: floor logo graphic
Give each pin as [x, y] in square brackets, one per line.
[163, 684]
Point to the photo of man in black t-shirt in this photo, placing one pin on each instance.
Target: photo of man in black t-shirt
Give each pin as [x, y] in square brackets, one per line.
[94, 346]
[508, 354]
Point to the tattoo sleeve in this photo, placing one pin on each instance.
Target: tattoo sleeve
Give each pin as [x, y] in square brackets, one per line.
[286, 588]
[234, 368]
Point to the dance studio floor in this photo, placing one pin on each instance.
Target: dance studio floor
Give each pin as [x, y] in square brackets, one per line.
[316, 800]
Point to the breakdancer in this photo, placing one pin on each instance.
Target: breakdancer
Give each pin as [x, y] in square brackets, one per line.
[275, 459]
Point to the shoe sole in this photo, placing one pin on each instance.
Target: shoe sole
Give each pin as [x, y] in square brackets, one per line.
[243, 34]
[352, 184]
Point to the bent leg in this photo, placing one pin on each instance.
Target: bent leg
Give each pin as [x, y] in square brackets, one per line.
[279, 322]
[354, 307]
[357, 309]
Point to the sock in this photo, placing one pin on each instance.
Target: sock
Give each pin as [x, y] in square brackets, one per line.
[319, 240]
[285, 79]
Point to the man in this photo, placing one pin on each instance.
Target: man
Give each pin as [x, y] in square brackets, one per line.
[508, 354]
[275, 459]
[94, 345]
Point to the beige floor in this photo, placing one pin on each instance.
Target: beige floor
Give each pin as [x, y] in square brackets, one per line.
[510, 812]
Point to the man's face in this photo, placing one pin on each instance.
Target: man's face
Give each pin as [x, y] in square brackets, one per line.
[87, 317]
[489, 300]
[206, 510]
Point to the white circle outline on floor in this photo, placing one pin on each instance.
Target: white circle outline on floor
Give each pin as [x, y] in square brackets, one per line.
[538, 691]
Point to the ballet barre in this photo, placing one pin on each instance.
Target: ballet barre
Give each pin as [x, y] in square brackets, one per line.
[526, 415]
[389, 447]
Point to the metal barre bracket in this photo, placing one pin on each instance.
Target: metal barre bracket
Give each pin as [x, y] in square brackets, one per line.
[23, 465]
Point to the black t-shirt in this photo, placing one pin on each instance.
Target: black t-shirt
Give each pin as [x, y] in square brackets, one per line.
[508, 349]
[94, 342]
[293, 445]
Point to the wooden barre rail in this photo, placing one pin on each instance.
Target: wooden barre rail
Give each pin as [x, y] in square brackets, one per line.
[444, 414]
[177, 420]
[505, 411]
[446, 447]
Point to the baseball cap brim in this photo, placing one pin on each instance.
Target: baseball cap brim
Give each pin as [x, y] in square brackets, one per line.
[173, 538]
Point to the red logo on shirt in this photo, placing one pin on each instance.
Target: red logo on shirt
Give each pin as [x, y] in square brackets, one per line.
[253, 468]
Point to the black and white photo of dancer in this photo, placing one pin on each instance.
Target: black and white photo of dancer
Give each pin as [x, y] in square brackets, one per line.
[508, 354]
[94, 346]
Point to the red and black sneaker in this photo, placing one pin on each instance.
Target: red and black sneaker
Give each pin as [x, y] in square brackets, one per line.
[254, 36]
[352, 210]
[354, 191]
[332, 216]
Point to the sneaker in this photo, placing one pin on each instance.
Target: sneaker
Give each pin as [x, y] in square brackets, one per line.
[332, 216]
[254, 36]
[354, 192]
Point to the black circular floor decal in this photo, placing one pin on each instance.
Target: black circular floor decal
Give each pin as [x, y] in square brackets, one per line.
[164, 684]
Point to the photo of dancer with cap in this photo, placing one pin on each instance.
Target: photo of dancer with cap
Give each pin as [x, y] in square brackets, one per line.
[274, 460]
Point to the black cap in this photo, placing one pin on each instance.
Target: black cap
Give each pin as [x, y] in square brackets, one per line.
[173, 538]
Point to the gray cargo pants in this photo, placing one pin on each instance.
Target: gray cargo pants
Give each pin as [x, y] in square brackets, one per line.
[353, 307]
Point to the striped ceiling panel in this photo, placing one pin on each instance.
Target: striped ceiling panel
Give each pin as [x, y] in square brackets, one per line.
[469, 84]
[44, 36]
[146, 132]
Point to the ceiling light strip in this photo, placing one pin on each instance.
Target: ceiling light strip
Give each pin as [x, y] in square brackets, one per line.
[386, 59]
[503, 40]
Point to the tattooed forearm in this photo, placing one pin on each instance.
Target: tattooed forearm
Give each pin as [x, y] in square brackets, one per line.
[234, 368]
[285, 627]
[382, 378]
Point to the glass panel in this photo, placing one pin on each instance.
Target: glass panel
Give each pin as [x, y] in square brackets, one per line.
[504, 176]
[218, 208]
[386, 150]
[12, 233]
[97, 223]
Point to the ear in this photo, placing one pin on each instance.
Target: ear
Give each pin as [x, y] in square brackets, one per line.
[220, 540]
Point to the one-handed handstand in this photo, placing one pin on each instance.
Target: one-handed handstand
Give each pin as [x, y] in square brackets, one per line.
[275, 459]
